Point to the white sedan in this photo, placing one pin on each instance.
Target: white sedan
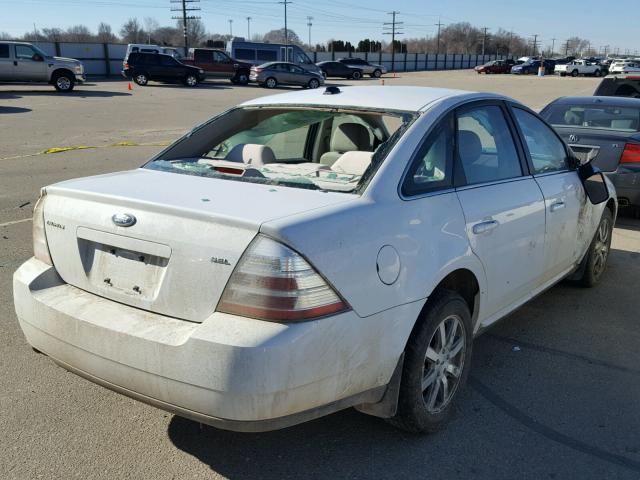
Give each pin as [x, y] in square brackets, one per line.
[312, 251]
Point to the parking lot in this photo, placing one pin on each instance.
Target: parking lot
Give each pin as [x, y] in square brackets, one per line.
[553, 392]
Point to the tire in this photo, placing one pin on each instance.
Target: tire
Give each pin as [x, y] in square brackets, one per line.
[141, 79]
[63, 82]
[242, 78]
[597, 73]
[575, 73]
[427, 409]
[377, 73]
[191, 80]
[271, 82]
[356, 75]
[313, 83]
[598, 253]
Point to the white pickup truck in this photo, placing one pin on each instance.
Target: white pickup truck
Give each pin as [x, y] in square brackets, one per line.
[23, 62]
[579, 67]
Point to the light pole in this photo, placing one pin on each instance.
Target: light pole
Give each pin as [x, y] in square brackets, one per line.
[248, 29]
[231, 27]
[309, 24]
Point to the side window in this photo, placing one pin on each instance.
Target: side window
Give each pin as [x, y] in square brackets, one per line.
[4, 50]
[545, 148]
[24, 52]
[294, 69]
[167, 61]
[150, 59]
[432, 167]
[485, 145]
[202, 56]
[219, 57]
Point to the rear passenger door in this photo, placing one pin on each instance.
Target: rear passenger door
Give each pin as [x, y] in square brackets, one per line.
[503, 206]
[6, 63]
[562, 189]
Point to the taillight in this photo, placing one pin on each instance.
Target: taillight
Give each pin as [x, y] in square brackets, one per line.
[40, 247]
[125, 65]
[631, 153]
[272, 282]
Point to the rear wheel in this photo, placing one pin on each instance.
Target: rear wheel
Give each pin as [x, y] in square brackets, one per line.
[141, 79]
[271, 82]
[436, 364]
[242, 78]
[596, 73]
[356, 75]
[191, 80]
[377, 73]
[596, 259]
[575, 73]
[63, 82]
[313, 83]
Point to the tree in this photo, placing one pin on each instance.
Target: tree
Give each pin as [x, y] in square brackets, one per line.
[78, 33]
[132, 31]
[52, 34]
[104, 33]
[5, 36]
[277, 36]
[368, 45]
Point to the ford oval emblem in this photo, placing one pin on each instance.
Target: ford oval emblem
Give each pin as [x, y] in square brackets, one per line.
[123, 219]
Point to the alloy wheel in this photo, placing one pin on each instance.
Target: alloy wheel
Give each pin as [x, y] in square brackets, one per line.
[63, 83]
[192, 81]
[443, 364]
[601, 248]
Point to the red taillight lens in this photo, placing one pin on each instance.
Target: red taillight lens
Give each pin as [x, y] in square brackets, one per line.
[272, 282]
[631, 153]
[126, 66]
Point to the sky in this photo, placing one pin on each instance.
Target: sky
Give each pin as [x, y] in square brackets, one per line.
[349, 20]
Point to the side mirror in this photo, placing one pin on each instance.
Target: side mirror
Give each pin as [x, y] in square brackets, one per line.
[594, 183]
[37, 57]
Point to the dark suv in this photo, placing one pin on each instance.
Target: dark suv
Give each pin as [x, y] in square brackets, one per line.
[142, 67]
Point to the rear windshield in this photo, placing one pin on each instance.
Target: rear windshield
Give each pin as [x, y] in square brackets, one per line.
[619, 87]
[320, 149]
[622, 119]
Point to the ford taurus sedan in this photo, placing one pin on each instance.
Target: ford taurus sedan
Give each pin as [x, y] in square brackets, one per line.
[308, 252]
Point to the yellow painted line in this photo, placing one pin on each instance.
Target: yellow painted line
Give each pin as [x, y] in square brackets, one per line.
[51, 150]
[14, 222]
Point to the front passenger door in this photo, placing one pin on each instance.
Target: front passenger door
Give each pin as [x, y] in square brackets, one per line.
[502, 205]
[29, 64]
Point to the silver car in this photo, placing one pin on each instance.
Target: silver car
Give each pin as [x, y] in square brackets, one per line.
[272, 74]
[372, 69]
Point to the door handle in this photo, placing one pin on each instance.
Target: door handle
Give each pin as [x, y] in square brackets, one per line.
[484, 227]
[557, 206]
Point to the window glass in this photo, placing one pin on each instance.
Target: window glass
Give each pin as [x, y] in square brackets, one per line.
[167, 61]
[485, 146]
[219, 57]
[602, 117]
[546, 150]
[150, 59]
[294, 69]
[433, 166]
[4, 50]
[302, 58]
[203, 56]
[267, 55]
[24, 52]
[245, 53]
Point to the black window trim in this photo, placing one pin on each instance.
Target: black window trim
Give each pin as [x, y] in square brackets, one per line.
[523, 142]
[459, 179]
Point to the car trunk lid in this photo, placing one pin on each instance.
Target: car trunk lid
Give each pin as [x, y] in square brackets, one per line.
[602, 148]
[185, 234]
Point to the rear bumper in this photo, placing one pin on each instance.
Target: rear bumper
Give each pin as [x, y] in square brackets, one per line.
[231, 372]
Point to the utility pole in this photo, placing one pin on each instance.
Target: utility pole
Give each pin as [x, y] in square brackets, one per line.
[286, 31]
[510, 42]
[535, 44]
[553, 46]
[309, 24]
[248, 29]
[439, 24]
[484, 39]
[187, 6]
[231, 28]
[392, 29]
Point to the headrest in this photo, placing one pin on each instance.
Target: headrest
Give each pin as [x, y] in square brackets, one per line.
[469, 146]
[350, 136]
[353, 162]
[251, 153]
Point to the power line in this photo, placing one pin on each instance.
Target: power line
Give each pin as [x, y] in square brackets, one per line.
[187, 6]
[392, 29]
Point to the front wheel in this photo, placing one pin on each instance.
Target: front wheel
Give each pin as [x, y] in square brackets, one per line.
[191, 81]
[356, 75]
[596, 259]
[436, 364]
[63, 82]
[377, 73]
[575, 73]
[596, 73]
[313, 83]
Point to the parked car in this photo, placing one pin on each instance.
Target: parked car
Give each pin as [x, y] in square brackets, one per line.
[217, 64]
[372, 69]
[578, 67]
[24, 62]
[149, 48]
[272, 74]
[495, 66]
[606, 132]
[529, 68]
[303, 253]
[143, 67]
[337, 69]
[619, 86]
[624, 66]
[259, 53]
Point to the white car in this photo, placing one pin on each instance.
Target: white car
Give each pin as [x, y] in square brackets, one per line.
[312, 251]
[578, 67]
[624, 66]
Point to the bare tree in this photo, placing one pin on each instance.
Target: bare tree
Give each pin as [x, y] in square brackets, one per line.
[78, 33]
[5, 36]
[53, 34]
[132, 31]
[105, 35]
[277, 36]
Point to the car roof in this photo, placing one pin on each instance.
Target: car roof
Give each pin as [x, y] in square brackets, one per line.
[600, 100]
[400, 98]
